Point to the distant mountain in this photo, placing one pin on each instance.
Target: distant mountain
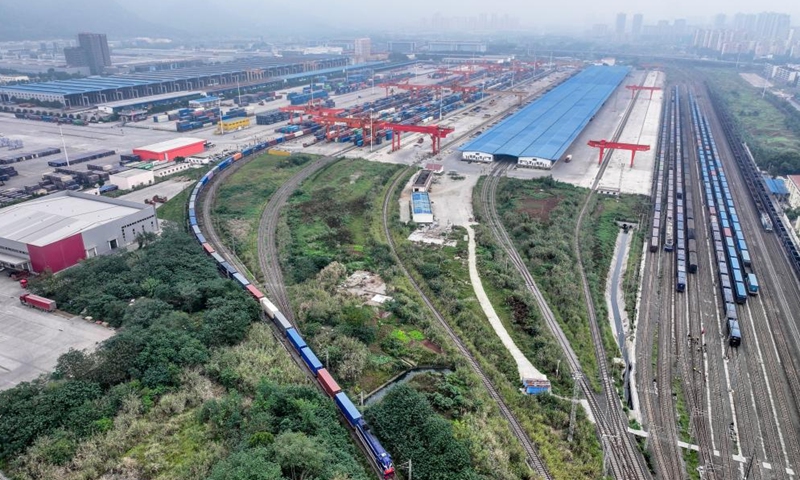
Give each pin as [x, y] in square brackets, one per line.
[47, 19]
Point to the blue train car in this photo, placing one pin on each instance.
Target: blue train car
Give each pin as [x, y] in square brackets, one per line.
[296, 339]
[740, 292]
[734, 334]
[752, 284]
[201, 238]
[240, 279]
[310, 360]
[218, 258]
[229, 270]
[680, 283]
[349, 410]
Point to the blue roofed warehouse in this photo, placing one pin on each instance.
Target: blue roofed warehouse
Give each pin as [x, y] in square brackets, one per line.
[539, 134]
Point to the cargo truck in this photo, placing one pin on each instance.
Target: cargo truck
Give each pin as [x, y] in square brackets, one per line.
[35, 301]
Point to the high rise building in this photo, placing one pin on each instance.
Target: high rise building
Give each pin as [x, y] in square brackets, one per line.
[636, 28]
[362, 49]
[95, 45]
[621, 17]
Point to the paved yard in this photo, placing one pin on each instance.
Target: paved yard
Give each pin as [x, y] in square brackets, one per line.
[31, 341]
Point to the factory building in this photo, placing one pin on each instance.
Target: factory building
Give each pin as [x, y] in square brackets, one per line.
[793, 186]
[421, 211]
[178, 147]
[59, 230]
[130, 179]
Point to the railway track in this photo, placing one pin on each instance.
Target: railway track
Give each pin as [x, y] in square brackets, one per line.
[714, 412]
[771, 362]
[268, 257]
[533, 458]
[619, 447]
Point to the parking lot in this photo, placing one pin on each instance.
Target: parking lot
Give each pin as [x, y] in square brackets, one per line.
[31, 341]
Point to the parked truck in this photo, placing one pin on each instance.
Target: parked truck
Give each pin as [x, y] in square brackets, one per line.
[35, 301]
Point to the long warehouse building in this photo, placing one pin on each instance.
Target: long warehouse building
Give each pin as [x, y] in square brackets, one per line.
[539, 134]
[85, 92]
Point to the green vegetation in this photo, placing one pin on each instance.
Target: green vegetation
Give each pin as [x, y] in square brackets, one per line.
[333, 221]
[333, 216]
[442, 271]
[413, 430]
[769, 124]
[241, 200]
[176, 393]
[335, 228]
[540, 217]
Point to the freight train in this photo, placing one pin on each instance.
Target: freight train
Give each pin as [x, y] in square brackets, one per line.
[736, 275]
[378, 454]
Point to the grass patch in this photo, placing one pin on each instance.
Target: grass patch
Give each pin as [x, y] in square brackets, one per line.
[241, 200]
[768, 124]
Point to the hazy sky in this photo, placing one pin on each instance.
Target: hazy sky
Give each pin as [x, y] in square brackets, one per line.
[348, 14]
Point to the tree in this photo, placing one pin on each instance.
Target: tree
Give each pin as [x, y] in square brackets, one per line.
[75, 364]
[299, 455]
[409, 428]
[251, 464]
[145, 238]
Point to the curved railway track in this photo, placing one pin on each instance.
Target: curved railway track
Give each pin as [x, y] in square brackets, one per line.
[268, 228]
[533, 458]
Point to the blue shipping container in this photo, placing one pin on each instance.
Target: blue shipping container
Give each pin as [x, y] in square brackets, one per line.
[348, 409]
[311, 360]
[296, 339]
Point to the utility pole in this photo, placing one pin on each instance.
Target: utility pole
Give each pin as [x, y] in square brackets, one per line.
[63, 144]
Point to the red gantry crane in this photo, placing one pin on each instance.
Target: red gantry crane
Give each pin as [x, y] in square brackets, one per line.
[436, 132]
[603, 145]
[634, 88]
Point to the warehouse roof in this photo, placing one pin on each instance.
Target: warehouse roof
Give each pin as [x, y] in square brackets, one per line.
[420, 203]
[133, 172]
[776, 186]
[45, 220]
[547, 127]
[168, 145]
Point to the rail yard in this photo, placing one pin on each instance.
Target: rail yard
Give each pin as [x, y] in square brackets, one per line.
[710, 367]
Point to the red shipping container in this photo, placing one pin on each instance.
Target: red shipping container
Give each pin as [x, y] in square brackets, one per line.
[727, 232]
[208, 248]
[255, 292]
[328, 383]
[36, 301]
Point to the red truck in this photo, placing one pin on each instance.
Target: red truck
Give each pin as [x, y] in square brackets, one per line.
[35, 301]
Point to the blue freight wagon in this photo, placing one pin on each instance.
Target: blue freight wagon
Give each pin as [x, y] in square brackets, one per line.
[745, 257]
[311, 360]
[240, 279]
[348, 409]
[752, 284]
[740, 292]
[296, 339]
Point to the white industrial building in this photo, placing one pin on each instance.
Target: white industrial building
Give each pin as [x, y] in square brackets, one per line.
[130, 179]
[57, 231]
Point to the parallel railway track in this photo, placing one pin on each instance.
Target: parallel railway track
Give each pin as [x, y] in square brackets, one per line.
[533, 458]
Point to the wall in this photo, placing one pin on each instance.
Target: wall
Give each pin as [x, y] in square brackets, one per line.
[124, 182]
[124, 231]
[58, 255]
